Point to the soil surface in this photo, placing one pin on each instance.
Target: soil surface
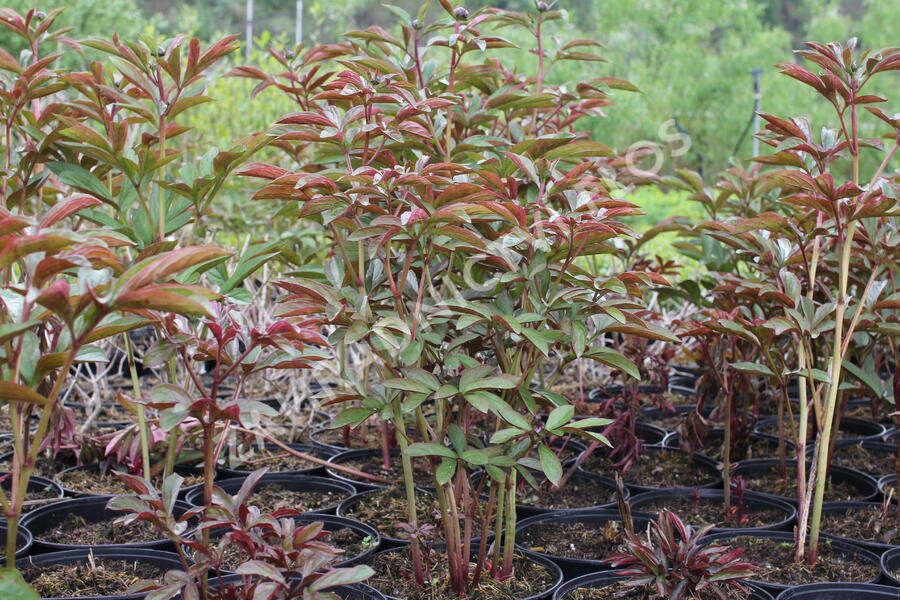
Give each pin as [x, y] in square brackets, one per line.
[367, 436]
[272, 496]
[864, 524]
[35, 497]
[385, 509]
[710, 511]
[579, 492]
[619, 591]
[273, 460]
[863, 459]
[587, 541]
[74, 529]
[655, 469]
[774, 561]
[88, 481]
[104, 578]
[393, 569]
[374, 466]
[773, 483]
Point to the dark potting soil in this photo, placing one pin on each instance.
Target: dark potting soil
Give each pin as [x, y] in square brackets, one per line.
[272, 496]
[864, 524]
[619, 591]
[273, 460]
[385, 509]
[709, 511]
[858, 457]
[773, 483]
[393, 577]
[748, 449]
[88, 481]
[774, 561]
[74, 529]
[105, 577]
[44, 467]
[656, 469]
[577, 493]
[373, 465]
[573, 540]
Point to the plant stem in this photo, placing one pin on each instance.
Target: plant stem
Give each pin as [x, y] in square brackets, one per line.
[139, 401]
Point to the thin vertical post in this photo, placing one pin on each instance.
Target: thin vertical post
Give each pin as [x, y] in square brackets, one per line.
[757, 107]
[298, 30]
[248, 49]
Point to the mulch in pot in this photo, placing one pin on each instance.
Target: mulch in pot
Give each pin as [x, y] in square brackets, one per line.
[585, 541]
[103, 577]
[274, 459]
[620, 591]
[874, 458]
[392, 569]
[374, 465]
[771, 482]
[774, 562]
[701, 511]
[76, 530]
[865, 522]
[385, 508]
[93, 481]
[655, 469]
[270, 497]
[581, 491]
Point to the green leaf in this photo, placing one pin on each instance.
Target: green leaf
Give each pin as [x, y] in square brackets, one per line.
[616, 360]
[445, 471]
[753, 368]
[550, 464]
[504, 435]
[406, 385]
[474, 456]
[428, 449]
[560, 416]
[80, 178]
[351, 416]
[13, 587]
[10, 392]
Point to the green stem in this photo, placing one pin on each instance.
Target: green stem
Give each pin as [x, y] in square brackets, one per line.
[139, 401]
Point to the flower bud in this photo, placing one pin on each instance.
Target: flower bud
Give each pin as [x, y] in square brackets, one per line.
[40, 15]
[543, 6]
[461, 13]
[416, 24]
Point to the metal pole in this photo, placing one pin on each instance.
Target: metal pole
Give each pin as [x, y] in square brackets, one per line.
[249, 41]
[757, 106]
[298, 31]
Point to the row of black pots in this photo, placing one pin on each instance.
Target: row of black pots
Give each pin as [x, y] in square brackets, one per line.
[163, 561]
[608, 578]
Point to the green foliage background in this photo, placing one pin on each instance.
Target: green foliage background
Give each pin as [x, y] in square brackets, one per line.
[691, 59]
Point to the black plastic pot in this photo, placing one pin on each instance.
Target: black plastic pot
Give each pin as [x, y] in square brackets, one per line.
[23, 541]
[700, 462]
[752, 500]
[165, 561]
[845, 507]
[343, 509]
[716, 437]
[890, 564]
[605, 579]
[871, 446]
[35, 485]
[238, 471]
[93, 510]
[288, 481]
[575, 567]
[544, 562]
[183, 470]
[315, 438]
[851, 428]
[360, 484]
[840, 591]
[787, 537]
[867, 486]
[356, 591]
[886, 483]
[590, 503]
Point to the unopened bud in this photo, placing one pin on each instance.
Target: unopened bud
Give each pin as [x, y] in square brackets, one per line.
[416, 24]
[461, 13]
[543, 7]
[40, 15]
